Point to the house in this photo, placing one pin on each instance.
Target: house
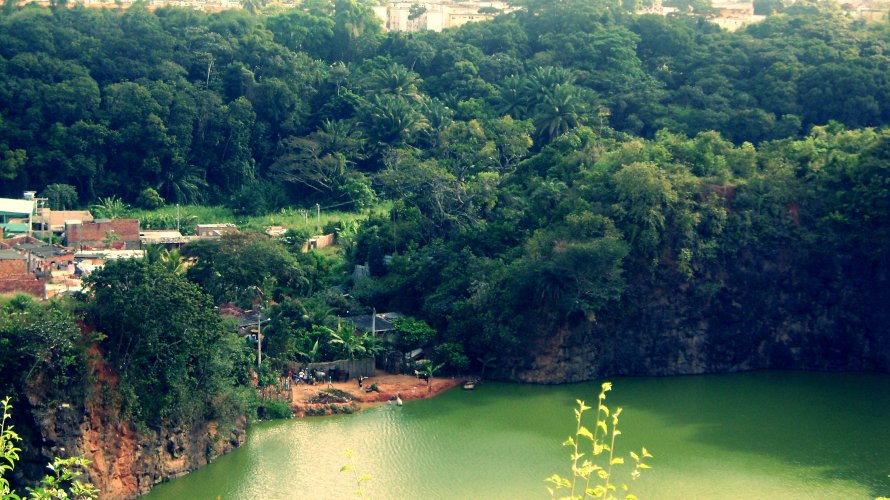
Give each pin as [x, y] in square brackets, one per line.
[166, 237]
[249, 324]
[316, 242]
[8, 243]
[215, 230]
[14, 275]
[86, 261]
[380, 324]
[43, 257]
[104, 254]
[246, 322]
[103, 233]
[16, 216]
[437, 15]
[54, 220]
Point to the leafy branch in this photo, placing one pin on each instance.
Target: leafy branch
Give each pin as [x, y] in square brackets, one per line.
[358, 477]
[597, 479]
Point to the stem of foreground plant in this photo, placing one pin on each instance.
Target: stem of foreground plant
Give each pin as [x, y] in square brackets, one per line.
[605, 488]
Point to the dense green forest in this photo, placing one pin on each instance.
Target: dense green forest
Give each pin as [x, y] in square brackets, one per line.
[575, 190]
[310, 104]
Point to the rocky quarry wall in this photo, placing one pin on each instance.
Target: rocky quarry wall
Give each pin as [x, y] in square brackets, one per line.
[126, 463]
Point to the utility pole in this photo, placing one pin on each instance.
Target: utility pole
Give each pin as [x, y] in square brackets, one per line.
[259, 324]
[259, 336]
[318, 218]
[177, 217]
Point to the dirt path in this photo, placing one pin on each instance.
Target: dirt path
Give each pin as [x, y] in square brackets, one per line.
[406, 386]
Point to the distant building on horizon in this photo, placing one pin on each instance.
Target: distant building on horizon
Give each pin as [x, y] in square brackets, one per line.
[437, 15]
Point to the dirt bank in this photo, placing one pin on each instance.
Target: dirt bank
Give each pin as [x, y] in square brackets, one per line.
[406, 386]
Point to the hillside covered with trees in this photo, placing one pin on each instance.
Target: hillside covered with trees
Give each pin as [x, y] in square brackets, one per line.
[310, 104]
[576, 191]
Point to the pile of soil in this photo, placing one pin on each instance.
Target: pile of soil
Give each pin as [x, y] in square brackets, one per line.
[407, 387]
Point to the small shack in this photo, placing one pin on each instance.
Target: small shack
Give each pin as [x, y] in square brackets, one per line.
[14, 275]
[215, 230]
[380, 324]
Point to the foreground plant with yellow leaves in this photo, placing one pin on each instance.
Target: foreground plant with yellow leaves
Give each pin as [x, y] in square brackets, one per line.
[590, 479]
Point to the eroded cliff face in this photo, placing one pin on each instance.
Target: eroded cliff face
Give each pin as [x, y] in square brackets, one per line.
[127, 462]
[763, 316]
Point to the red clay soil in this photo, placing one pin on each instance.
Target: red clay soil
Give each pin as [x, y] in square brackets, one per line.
[406, 386]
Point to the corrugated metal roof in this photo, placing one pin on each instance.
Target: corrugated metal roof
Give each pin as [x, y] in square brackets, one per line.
[44, 250]
[11, 255]
[15, 227]
[382, 324]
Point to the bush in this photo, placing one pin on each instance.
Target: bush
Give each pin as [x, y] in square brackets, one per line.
[149, 199]
[451, 354]
[277, 408]
[413, 333]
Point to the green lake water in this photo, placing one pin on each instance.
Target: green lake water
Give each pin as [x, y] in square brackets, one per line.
[762, 435]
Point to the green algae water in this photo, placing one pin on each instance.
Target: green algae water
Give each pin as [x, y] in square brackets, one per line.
[762, 435]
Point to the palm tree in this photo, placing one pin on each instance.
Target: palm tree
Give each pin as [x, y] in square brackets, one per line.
[429, 370]
[312, 354]
[373, 345]
[395, 79]
[513, 97]
[544, 80]
[559, 111]
[486, 361]
[340, 136]
[181, 182]
[316, 312]
[391, 120]
[352, 21]
[171, 260]
[439, 117]
[351, 343]
[110, 207]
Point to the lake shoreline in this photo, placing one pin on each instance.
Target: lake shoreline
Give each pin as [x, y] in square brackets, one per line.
[388, 385]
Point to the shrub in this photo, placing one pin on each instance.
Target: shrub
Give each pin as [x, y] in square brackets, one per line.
[149, 199]
[278, 408]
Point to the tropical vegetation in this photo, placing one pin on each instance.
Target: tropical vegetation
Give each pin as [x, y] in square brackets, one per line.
[567, 191]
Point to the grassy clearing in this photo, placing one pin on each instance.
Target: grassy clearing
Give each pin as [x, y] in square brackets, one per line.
[292, 218]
